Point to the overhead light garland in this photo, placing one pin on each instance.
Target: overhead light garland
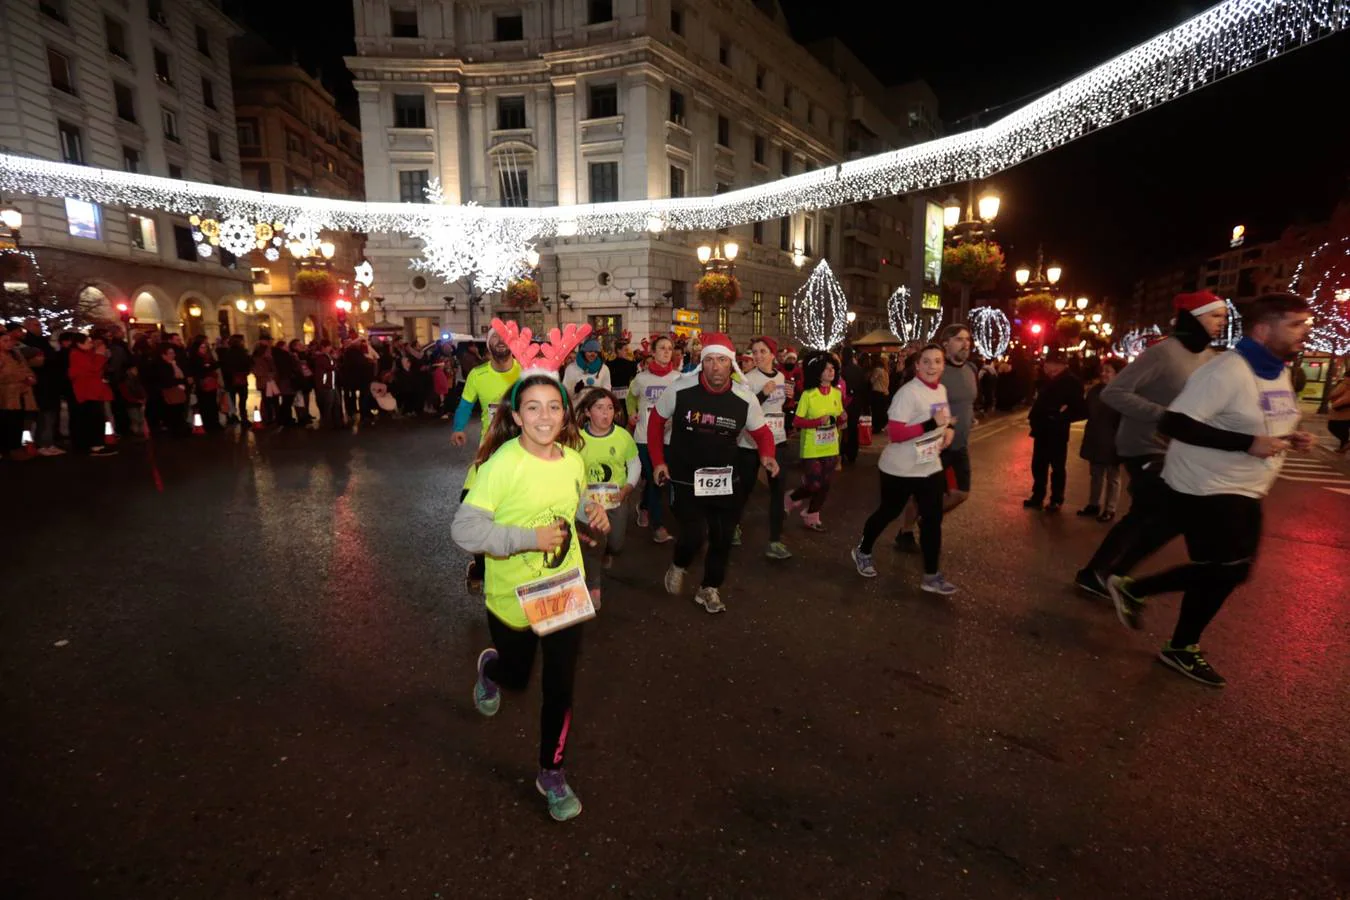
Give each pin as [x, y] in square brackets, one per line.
[820, 310]
[1213, 45]
[991, 331]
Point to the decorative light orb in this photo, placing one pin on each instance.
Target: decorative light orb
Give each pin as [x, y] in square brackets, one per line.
[203, 250]
[989, 204]
[237, 236]
[1060, 303]
[259, 304]
[704, 254]
[272, 254]
[195, 310]
[731, 249]
[241, 304]
[1053, 273]
[951, 213]
[327, 248]
[365, 306]
[1023, 275]
[1083, 302]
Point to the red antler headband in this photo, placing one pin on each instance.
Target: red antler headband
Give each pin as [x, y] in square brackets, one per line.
[540, 359]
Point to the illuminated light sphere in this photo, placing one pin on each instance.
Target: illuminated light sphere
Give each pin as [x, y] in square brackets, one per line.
[203, 250]
[991, 331]
[820, 309]
[1324, 279]
[259, 304]
[272, 254]
[905, 321]
[241, 304]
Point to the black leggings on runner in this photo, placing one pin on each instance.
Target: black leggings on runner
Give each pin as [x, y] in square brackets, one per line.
[511, 670]
[1222, 534]
[714, 520]
[747, 465]
[928, 491]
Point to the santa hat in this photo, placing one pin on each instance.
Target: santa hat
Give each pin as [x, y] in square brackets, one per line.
[767, 342]
[715, 343]
[1197, 303]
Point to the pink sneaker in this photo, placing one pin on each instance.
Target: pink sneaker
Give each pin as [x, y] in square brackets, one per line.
[642, 520]
[661, 536]
[812, 521]
[790, 506]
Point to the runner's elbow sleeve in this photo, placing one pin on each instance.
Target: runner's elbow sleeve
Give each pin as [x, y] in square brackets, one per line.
[463, 412]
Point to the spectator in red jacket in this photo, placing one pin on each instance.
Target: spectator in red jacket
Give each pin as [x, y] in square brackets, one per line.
[88, 359]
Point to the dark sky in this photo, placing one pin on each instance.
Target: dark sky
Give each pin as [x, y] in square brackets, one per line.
[1265, 148]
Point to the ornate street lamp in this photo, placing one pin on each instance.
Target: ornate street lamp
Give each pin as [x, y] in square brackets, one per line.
[721, 256]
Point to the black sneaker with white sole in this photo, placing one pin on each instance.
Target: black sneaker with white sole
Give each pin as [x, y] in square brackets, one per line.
[1189, 661]
[1090, 581]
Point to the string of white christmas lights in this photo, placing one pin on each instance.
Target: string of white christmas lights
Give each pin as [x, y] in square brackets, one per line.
[1232, 327]
[1330, 296]
[991, 330]
[1215, 44]
[820, 310]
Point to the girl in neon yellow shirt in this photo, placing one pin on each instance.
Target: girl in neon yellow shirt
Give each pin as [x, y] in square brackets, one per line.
[519, 512]
[820, 416]
[612, 472]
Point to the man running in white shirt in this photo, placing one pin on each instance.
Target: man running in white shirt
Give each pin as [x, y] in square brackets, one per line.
[1230, 428]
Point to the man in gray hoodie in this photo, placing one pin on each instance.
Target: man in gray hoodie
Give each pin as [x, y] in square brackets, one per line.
[1141, 394]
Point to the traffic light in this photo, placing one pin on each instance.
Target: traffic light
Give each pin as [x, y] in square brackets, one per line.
[1035, 327]
[124, 313]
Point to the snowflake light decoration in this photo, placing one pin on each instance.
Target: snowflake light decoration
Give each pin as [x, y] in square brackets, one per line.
[483, 252]
[237, 236]
[272, 254]
[820, 309]
[991, 331]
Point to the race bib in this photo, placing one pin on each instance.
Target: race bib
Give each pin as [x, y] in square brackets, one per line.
[653, 393]
[929, 447]
[604, 493]
[826, 436]
[778, 426]
[620, 393]
[713, 482]
[556, 601]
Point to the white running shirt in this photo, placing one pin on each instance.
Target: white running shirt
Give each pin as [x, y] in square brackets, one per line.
[914, 404]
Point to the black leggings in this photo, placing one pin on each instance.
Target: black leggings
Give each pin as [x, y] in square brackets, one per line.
[747, 464]
[240, 395]
[1340, 430]
[1222, 534]
[702, 520]
[1146, 528]
[928, 491]
[511, 670]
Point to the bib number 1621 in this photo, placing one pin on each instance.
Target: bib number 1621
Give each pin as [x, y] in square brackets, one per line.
[712, 482]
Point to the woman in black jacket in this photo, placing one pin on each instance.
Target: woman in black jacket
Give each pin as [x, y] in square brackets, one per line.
[203, 372]
[1099, 448]
[170, 385]
[235, 366]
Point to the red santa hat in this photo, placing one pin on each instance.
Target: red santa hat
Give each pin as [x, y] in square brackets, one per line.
[715, 343]
[767, 342]
[1197, 303]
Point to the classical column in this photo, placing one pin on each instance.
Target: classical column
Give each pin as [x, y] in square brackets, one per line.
[645, 171]
[568, 134]
[447, 140]
[478, 148]
[374, 144]
[546, 154]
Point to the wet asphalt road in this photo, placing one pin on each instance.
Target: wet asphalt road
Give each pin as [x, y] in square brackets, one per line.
[265, 692]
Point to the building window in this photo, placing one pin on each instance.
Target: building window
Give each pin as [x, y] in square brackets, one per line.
[509, 28]
[785, 233]
[262, 277]
[782, 314]
[162, 71]
[185, 248]
[761, 149]
[757, 232]
[142, 229]
[677, 20]
[724, 131]
[787, 96]
[124, 99]
[208, 94]
[724, 51]
[785, 162]
[410, 111]
[246, 130]
[676, 113]
[72, 144]
[412, 186]
[203, 41]
[604, 182]
[55, 9]
[213, 144]
[757, 312]
[117, 38]
[58, 68]
[600, 11]
[84, 219]
[170, 119]
[808, 232]
[721, 187]
[294, 142]
[515, 187]
[510, 113]
[131, 159]
[676, 181]
[403, 23]
[761, 76]
[603, 101]
[679, 294]
[155, 11]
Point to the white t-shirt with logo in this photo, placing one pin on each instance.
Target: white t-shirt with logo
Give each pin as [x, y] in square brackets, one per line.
[772, 385]
[649, 388]
[1225, 393]
[914, 404]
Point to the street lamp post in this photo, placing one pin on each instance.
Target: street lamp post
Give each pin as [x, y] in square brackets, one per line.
[978, 220]
[1042, 279]
[719, 256]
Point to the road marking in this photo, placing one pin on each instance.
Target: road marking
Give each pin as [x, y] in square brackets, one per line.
[1336, 480]
[1338, 490]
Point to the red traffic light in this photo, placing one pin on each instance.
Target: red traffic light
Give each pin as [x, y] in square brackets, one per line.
[1035, 327]
[121, 307]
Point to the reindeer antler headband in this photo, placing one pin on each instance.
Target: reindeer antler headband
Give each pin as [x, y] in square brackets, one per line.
[540, 359]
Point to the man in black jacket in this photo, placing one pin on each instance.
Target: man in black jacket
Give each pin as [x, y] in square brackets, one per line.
[855, 379]
[1058, 404]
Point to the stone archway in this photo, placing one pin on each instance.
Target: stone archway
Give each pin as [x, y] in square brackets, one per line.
[194, 325]
[98, 301]
[151, 305]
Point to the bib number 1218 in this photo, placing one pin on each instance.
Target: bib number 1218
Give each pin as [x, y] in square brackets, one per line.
[712, 482]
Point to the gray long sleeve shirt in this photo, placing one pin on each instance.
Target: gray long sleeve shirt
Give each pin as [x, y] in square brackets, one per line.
[1144, 389]
[475, 531]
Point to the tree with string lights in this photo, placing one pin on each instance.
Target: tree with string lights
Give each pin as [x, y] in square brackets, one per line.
[1324, 278]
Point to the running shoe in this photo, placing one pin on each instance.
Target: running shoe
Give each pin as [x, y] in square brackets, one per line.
[1128, 606]
[472, 583]
[736, 537]
[1189, 661]
[642, 519]
[661, 536]
[790, 506]
[936, 584]
[1107, 516]
[812, 521]
[710, 599]
[1091, 582]
[906, 542]
[778, 550]
[103, 451]
[674, 580]
[864, 563]
[1053, 506]
[562, 802]
[1091, 509]
[1031, 503]
[487, 696]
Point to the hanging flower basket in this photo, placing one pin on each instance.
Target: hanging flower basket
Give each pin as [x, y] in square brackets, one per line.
[976, 266]
[1069, 330]
[718, 289]
[316, 283]
[522, 294]
[1037, 306]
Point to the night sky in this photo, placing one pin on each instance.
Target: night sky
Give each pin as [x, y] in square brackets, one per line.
[1267, 147]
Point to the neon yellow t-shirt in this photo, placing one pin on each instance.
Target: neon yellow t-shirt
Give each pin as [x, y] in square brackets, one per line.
[524, 491]
[819, 442]
[486, 386]
[607, 457]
